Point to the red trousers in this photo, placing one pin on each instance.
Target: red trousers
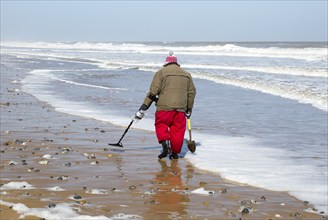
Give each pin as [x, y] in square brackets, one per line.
[171, 125]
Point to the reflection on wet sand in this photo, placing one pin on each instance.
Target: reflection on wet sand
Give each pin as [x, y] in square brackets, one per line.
[171, 196]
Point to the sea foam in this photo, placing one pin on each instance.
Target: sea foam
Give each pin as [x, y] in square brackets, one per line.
[246, 160]
[61, 211]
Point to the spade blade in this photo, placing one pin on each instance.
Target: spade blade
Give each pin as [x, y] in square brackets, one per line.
[191, 146]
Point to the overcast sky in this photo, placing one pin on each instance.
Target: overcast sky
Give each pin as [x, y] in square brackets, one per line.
[164, 21]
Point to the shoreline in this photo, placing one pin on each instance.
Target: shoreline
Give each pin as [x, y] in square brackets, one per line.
[113, 181]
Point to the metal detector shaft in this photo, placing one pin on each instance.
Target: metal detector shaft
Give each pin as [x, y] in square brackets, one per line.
[118, 144]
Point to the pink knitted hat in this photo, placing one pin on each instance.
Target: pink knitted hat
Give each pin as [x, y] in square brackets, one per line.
[171, 58]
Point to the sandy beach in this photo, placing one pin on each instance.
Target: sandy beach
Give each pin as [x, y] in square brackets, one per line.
[57, 166]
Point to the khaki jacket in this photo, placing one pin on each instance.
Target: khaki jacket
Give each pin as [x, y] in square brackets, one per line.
[174, 88]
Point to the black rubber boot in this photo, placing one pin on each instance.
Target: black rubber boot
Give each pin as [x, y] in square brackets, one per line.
[166, 149]
[174, 156]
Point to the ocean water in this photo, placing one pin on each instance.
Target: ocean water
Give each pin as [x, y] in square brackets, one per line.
[260, 113]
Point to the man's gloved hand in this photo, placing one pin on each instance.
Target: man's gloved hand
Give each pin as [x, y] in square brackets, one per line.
[139, 114]
[188, 113]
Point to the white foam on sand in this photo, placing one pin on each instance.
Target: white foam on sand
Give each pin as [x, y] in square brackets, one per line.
[60, 211]
[55, 188]
[48, 156]
[245, 160]
[202, 191]
[96, 191]
[16, 185]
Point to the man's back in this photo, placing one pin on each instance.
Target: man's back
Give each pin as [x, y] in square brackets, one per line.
[175, 85]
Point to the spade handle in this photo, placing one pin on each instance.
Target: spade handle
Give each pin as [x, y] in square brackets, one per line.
[189, 128]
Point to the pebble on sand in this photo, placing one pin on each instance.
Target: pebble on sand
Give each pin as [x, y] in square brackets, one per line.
[47, 156]
[44, 162]
[94, 162]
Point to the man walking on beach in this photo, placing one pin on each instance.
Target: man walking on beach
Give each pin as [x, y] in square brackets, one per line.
[174, 92]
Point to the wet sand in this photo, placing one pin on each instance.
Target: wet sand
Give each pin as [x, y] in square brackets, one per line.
[48, 149]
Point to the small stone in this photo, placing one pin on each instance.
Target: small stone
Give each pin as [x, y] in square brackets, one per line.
[94, 162]
[18, 141]
[253, 201]
[63, 178]
[52, 205]
[44, 162]
[223, 191]
[229, 213]
[152, 202]
[132, 187]
[92, 156]
[66, 150]
[12, 163]
[306, 203]
[82, 202]
[7, 143]
[298, 215]
[245, 211]
[77, 197]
